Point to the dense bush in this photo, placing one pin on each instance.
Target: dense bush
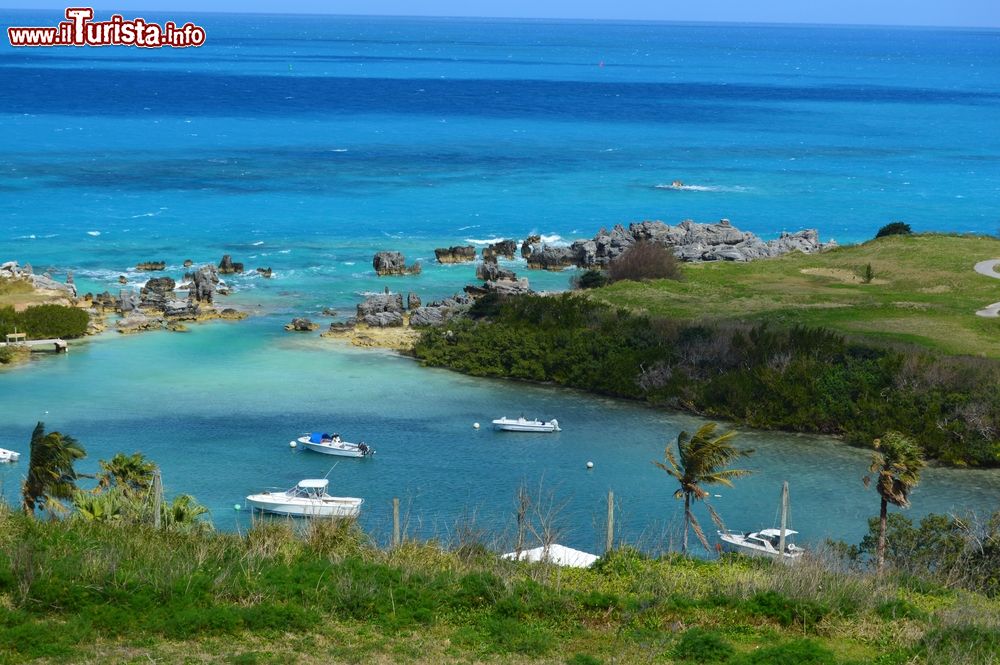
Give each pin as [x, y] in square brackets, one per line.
[799, 379]
[645, 260]
[45, 321]
[894, 229]
[590, 279]
[698, 645]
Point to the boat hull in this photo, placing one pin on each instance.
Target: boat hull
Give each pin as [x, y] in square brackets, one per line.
[731, 545]
[342, 449]
[502, 425]
[334, 507]
[8, 456]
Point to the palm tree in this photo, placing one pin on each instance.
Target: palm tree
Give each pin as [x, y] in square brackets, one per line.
[703, 461]
[132, 473]
[107, 507]
[51, 476]
[897, 460]
[185, 514]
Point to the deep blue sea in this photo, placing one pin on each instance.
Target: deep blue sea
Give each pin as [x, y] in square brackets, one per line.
[308, 143]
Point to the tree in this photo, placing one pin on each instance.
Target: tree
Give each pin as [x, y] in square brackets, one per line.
[185, 514]
[897, 461]
[51, 477]
[894, 229]
[702, 460]
[132, 473]
[645, 259]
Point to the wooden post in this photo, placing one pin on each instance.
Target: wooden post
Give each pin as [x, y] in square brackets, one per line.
[157, 498]
[784, 521]
[395, 522]
[610, 540]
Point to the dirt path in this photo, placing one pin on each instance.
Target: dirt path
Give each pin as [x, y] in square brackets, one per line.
[988, 268]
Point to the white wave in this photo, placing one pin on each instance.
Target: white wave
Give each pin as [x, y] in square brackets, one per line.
[258, 243]
[349, 263]
[285, 251]
[339, 150]
[553, 239]
[93, 233]
[489, 241]
[470, 226]
[147, 214]
[701, 188]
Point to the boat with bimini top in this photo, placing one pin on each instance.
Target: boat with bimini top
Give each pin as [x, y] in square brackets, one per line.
[307, 499]
[522, 424]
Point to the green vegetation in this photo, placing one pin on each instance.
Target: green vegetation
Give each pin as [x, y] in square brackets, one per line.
[894, 229]
[45, 321]
[645, 260]
[701, 460]
[51, 478]
[319, 592]
[769, 377]
[924, 291]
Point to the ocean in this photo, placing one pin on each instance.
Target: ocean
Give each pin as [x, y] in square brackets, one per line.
[307, 143]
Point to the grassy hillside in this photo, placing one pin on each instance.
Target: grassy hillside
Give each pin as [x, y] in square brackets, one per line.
[924, 291]
[77, 591]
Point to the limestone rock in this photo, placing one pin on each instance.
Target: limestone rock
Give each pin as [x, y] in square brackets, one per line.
[203, 284]
[529, 245]
[301, 325]
[381, 303]
[152, 265]
[157, 292]
[393, 263]
[412, 301]
[266, 273]
[227, 267]
[455, 254]
[505, 248]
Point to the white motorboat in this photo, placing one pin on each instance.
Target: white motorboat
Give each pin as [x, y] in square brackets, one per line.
[522, 424]
[766, 542]
[8, 456]
[307, 499]
[332, 444]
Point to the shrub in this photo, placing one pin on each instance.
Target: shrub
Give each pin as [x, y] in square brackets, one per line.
[868, 274]
[6, 355]
[45, 321]
[645, 260]
[799, 652]
[698, 645]
[894, 229]
[591, 279]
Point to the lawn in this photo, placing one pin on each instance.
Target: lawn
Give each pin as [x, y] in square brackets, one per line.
[924, 291]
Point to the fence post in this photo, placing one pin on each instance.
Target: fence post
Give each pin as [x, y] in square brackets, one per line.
[610, 540]
[395, 522]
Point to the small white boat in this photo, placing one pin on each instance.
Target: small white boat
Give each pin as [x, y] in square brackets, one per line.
[522, 424]
[775, 543]
[307, 499]
[332, 444]
[8, 456]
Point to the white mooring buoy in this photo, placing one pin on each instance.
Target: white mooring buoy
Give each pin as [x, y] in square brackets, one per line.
[475, 425]
[292, 444]
[590, 465]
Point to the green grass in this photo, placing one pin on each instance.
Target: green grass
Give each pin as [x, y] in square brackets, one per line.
[321, 593]
[925, 292]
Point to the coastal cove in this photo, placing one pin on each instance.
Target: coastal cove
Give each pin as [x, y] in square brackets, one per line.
[303, 145]
[224, 399]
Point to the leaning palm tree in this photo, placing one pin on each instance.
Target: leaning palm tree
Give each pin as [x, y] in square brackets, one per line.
[51, 477]
[701, 460]
[897, 461]
[132, 473]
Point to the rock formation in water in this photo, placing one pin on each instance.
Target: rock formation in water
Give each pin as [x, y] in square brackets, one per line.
[440, 312]
[505, 248]
[393, 263]
[203, 283]
[152, 265]
[455, 254]
[412, 301]
[690, 241]
[227, 267]
[301, 325]
[11, 270]
[266, 273]
[530, 244]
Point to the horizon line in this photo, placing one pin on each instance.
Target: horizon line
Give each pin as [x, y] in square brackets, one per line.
[579, 19]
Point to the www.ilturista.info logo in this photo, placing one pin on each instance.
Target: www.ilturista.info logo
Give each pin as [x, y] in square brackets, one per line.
[81, 30]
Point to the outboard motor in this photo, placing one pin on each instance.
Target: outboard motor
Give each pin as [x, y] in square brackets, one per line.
[555, 423]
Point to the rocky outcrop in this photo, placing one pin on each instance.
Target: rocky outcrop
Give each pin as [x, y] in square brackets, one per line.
[228, 267]
[691, 241]
[489, 271]
[393, 263]
[530, 244]
[412, 301]
[11, 270]
[381, 303]
[122, 279]
[455, 254]
[188, 263]
[301, 325]
[156, 293]
[328, 311]
[152, 265]
[203, 283]
[383, 319]
[138, 322]
[265, 273]
[505, 248]
[440, 312]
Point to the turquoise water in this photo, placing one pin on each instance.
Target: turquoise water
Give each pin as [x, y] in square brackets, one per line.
[306, 144]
